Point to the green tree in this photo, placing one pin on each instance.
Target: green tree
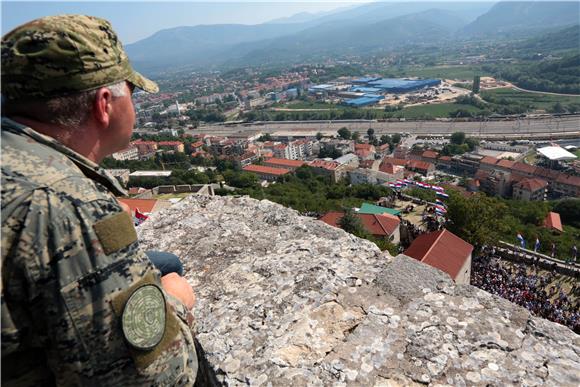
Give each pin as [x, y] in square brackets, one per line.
[356, 136]
[386, 139]
[477, 219]
[351, 223]
[472, 143]
[558, 108]
[458, 138]
[344, 133]
[319, 136]
[476, 84]
[396, 138]
[569, 210]
[371, 133]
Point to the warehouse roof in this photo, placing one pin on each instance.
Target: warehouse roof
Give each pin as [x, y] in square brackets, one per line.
[556, 153]
[361, 101]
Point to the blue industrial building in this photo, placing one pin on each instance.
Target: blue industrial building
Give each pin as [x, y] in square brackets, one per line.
[366, 100]
[362, 89]
[399, 85]
[364, 81]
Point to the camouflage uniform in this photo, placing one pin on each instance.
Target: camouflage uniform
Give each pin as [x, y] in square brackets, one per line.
[71, 263]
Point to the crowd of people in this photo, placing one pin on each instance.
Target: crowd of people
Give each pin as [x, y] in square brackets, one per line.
[539, 292]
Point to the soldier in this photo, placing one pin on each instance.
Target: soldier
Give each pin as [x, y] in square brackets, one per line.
[81, 303]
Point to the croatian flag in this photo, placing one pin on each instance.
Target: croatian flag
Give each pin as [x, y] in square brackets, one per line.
[439, 202]
[140, 217]
[442, 194]
[522, 240]
[440, 208]
[437, 188]
[537, 245]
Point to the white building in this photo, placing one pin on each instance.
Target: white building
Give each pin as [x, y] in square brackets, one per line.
[130, 153]
[369, 176]
[349, 159]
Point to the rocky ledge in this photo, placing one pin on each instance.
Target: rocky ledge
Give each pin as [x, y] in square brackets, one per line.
[287, 300]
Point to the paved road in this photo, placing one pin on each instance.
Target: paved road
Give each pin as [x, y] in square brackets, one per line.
[521, 128]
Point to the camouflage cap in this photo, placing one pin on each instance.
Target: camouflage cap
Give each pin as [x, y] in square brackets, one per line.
[60, 55]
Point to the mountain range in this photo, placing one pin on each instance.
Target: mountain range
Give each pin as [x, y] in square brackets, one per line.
[364, 30]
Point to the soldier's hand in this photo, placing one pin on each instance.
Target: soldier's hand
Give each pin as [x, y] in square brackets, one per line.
[179, 288]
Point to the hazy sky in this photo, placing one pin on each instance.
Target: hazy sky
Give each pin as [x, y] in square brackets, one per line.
[134, 20]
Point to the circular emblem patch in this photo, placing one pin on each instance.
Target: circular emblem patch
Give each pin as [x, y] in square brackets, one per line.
[144, 317]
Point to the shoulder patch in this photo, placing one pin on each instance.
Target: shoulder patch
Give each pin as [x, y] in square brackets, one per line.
[145, 357]
[115, 232]
[143, 317]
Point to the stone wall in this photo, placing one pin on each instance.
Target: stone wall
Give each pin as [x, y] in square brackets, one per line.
[286, 300]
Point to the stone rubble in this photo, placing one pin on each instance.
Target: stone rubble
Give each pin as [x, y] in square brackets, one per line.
[286, 300]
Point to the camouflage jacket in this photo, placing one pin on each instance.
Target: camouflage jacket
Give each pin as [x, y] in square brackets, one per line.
[70, 262]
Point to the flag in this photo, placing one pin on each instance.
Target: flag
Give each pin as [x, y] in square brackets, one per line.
[440, 203]
[521, 240]
[443, 195]
[440, 208]
[537, 245]
[140, 217]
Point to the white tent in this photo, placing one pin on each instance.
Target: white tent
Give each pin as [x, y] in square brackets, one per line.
[556, 153]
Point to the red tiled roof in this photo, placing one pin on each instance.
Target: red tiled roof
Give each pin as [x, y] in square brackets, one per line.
[246, 155]
[553, 221]
[366, 147]
[525, 168]
[199, 153]
[378, 225]
[489, 160]
[445, 158]
[330, 165]
[265, 170]
[285, 162]
[363, 152]
[143, 205]
[418, 164]
[442, 250]
[532, 185]
[139, 141]
[392, 160]
[389, 168]
[197, 144]
[505, 163]
[170, 143]
[568, 180]
[384, 224]
[430, 154]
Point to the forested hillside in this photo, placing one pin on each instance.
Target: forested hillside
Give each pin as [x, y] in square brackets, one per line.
[558, 76]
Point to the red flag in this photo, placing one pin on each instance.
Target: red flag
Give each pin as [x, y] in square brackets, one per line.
[140, 217]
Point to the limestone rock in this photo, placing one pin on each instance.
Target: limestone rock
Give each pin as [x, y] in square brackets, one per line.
[287, 300]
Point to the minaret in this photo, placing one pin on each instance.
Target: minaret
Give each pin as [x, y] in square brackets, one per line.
[177, 107]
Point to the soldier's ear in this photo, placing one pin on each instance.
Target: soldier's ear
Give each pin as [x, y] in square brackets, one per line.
[102, 106]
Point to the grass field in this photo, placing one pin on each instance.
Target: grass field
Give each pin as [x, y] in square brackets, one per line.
[310, 105]
[434, 110]
[465, 72]
[539, 101]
